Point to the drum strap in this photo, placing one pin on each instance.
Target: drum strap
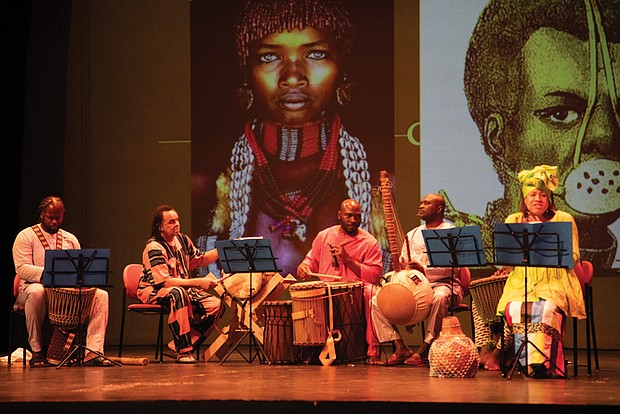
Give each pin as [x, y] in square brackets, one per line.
[43, 240]
[328, 354]
[308, 313]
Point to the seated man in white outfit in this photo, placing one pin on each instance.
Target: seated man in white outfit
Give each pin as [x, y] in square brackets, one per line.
[29, 258]
[431, 211]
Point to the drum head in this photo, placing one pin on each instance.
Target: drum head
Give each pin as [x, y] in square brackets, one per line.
[244, 285]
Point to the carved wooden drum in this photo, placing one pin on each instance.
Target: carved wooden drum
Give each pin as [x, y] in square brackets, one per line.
[347, 300]
[309, 316]
[278, 342]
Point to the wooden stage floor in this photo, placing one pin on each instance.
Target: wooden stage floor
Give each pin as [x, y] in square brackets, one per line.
[236, 386]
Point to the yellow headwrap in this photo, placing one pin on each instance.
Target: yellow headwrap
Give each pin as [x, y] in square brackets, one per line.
[542, 177]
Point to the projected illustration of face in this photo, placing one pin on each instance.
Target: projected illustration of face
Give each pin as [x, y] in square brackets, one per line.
[294, 75]
[553, 115]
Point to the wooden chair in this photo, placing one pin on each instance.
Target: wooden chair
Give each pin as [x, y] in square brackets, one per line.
[131, 278]
[585, 273]
[17, 313]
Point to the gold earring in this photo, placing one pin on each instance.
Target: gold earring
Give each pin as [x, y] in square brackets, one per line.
[343, 92]
[245, 96]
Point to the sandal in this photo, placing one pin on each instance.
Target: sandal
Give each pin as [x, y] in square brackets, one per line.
[416, 360]
[375, 361]
[395, 360]
[38, 361]
[185, 358]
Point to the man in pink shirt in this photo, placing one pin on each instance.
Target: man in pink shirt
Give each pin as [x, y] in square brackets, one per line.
[350, 252]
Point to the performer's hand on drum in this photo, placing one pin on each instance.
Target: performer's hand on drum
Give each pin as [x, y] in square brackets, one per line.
[206, 282]
[303, 271]
[502, 271]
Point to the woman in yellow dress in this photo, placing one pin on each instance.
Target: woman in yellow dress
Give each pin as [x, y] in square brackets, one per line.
[553, 293]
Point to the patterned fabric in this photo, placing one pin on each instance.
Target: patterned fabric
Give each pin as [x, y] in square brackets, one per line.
[546, 324]
[189, 308]
[542, 177]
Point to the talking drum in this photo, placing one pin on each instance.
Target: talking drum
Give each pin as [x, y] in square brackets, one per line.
[69, 308]
[243, 285]
[347, 300]
[279, 348]
[309, 319]
[486, 293]
[406, 298]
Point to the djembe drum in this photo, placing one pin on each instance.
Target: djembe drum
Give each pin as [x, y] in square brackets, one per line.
[68, 310]
[278, 345]
[486, 293]
[309, 313]
[347, 300]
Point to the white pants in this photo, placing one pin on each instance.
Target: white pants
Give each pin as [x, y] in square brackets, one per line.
[386, 331]
[32, 297]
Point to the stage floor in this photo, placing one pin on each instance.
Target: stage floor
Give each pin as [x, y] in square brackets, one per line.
[242, 387]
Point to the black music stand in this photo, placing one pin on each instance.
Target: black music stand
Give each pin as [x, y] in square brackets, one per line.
[247, 255]
[77, 268]
[454, 247]
[532, 245]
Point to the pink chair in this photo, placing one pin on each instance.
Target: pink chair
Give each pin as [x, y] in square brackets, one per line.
[131, 278]
[585, 273]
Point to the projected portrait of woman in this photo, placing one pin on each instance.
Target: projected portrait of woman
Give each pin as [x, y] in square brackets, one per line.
[542, 81]
[295, 160]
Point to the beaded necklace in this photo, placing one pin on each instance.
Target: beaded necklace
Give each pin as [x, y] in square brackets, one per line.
[243, 162]
[292, 210]
[289, 144]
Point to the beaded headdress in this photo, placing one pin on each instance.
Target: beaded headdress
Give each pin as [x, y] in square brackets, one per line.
[260, 18]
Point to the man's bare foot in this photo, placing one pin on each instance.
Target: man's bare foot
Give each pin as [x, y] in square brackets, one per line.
[492, 361]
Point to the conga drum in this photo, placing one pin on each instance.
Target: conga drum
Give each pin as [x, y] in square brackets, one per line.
[244, 285]
[309, 318]
[486, 294]
[406, 298]
[278, 342]
[347, 299]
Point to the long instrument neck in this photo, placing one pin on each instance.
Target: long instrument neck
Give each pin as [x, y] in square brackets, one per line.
[394, 230]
